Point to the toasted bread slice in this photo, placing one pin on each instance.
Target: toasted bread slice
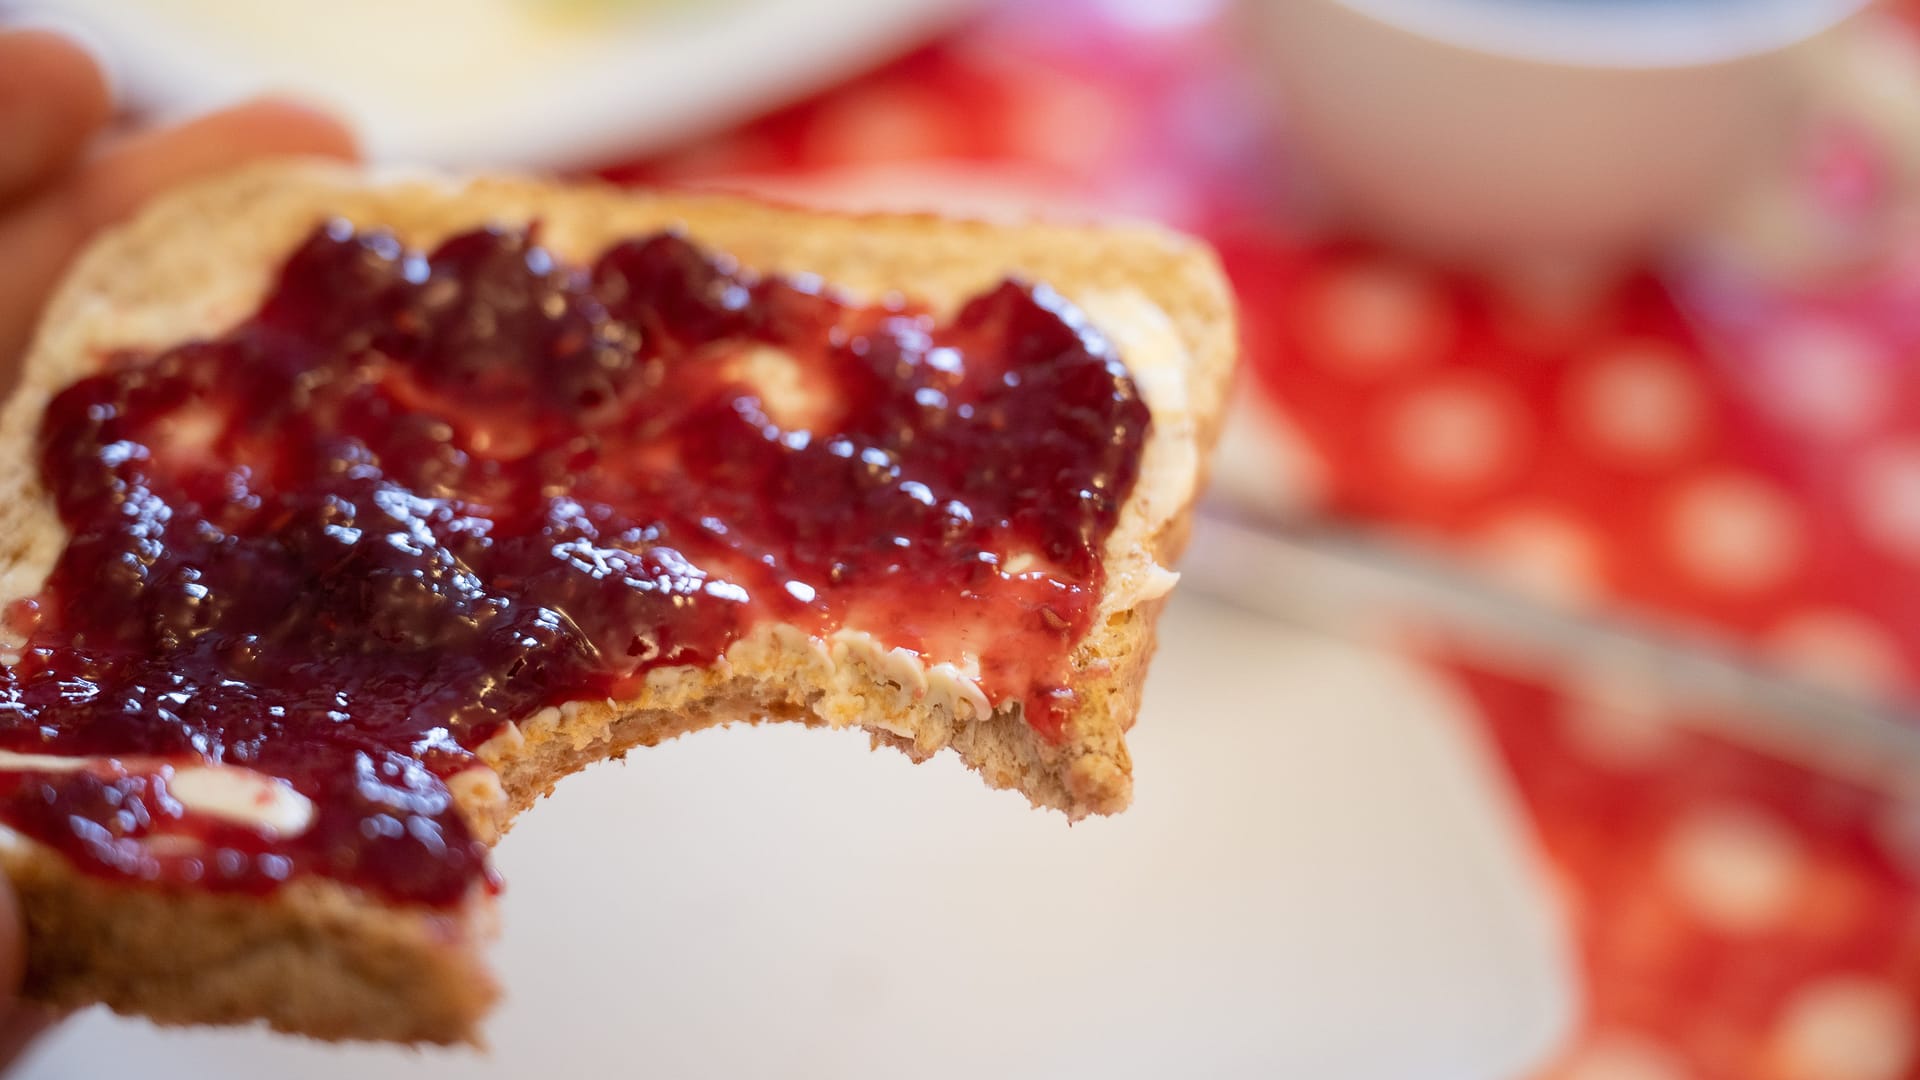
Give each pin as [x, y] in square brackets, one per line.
[320, 958]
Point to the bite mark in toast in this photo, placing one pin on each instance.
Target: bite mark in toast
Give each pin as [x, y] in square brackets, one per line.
[367, 967]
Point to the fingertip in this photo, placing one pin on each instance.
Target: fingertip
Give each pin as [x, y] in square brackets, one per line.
[56, 66]
[286, 125]
[53, 99]
[128, 173]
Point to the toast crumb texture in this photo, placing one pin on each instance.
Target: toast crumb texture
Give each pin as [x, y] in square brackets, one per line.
[321, 959]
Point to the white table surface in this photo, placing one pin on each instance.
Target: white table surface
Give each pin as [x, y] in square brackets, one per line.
[1322, 876]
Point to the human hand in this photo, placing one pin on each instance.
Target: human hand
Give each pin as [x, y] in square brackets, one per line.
[63, 176]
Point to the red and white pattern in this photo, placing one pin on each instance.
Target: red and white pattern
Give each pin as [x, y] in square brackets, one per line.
[1740, 917]
[1730, 445]
[1650, 468]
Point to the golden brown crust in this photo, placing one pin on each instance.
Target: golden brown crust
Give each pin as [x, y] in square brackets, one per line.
[319, 958]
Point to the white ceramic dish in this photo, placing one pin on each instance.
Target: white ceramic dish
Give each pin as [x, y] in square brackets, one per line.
[1321, 877]
[472, 83]
[1555, 129]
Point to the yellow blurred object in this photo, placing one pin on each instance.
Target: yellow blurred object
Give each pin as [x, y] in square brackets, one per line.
[593, 14]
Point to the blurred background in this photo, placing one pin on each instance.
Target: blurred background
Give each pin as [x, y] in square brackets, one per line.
[1543, 700]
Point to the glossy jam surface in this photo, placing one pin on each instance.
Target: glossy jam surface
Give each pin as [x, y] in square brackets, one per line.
[419, 495]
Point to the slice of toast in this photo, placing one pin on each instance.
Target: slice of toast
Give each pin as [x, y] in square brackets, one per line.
[324, 959]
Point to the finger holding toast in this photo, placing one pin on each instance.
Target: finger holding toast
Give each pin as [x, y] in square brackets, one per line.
[64, 175]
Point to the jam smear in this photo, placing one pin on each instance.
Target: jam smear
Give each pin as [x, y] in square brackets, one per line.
[420, 495]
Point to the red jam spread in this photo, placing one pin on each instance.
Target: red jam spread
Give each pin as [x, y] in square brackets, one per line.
[420, 495]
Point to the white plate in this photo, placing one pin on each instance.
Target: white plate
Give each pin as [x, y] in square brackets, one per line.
[468, 83]
[1322, 876]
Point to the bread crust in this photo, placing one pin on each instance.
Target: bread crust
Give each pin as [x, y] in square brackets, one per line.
[323, 959]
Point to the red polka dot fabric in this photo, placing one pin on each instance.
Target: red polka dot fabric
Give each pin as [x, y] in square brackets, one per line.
[1726, 444]
[1740, 917]
[1760, 480]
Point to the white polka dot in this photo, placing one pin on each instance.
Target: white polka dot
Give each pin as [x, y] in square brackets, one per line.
[1065, 121]
[899, 125]
[1543, 553]
[1619, 738]
[1618, 717]
[1887, 498]
[1618, 686]
[1455, 433]
[1736, 868]
[1846, 1028]
[1623, 1056]
[1822, 377]
[1637, 402]
[1155, 196]
[1734, 532]
[1264, 463]
[1377, 317]
[1840, 649]
[1553, 306]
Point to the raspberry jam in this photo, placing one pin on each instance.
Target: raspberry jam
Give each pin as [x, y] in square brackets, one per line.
[418, 496]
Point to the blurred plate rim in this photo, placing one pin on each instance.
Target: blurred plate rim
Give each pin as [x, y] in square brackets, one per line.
[644, 85]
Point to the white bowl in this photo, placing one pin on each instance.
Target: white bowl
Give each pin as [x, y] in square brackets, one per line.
[1555, 128]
